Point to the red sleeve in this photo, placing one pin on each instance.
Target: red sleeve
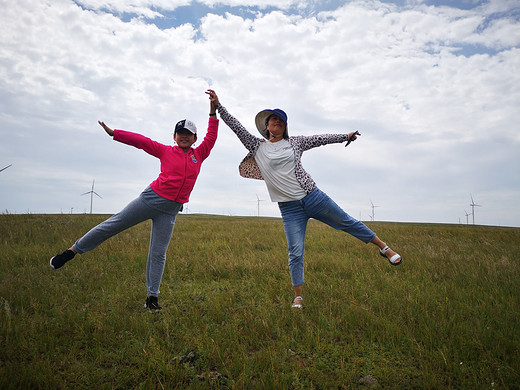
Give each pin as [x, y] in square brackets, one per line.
[139, 141]
[207, 144]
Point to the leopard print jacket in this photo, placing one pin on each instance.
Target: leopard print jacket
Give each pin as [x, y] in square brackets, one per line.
[248, 167]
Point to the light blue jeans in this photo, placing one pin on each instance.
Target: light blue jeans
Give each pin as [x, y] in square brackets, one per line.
[317, 205]
[148, 205]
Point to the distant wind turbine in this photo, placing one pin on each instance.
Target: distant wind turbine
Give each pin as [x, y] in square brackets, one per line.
[372, 217]
[3, 169]
[92, 193]
[473, 205]
[467, 215]
[258, 200]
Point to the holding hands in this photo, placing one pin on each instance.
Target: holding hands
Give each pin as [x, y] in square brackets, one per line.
[213, 101]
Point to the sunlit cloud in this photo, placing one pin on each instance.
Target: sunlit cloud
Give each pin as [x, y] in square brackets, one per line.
[434, 91]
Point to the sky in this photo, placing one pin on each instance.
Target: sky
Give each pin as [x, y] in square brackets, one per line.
[432, 86]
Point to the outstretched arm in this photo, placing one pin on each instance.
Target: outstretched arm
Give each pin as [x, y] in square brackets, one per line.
[109, 131]
[136, 140]
[313, 141]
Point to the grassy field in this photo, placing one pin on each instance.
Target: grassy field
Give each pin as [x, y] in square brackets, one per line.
[449, 317]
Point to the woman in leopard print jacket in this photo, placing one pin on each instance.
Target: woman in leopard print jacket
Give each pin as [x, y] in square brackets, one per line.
[276, 159]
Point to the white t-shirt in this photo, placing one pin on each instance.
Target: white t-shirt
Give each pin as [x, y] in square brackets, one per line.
[276, 162]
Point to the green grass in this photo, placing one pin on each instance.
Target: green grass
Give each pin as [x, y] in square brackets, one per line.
[447, 318]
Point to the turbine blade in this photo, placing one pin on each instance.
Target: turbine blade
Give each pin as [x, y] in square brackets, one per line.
[3, 169]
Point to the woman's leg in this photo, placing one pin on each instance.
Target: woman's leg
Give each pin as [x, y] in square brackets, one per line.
[321, 207]
[295, 225]
[135, 212]
[162, 228]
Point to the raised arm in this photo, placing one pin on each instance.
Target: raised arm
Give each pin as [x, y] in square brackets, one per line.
[209, 140]
[248, 140]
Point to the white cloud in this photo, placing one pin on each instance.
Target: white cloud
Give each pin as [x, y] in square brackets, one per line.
[436, 125]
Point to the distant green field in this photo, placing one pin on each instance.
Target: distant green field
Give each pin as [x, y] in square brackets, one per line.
[449, 317]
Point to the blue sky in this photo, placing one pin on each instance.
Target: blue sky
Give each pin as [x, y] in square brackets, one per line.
[191, 13]
[433, 86]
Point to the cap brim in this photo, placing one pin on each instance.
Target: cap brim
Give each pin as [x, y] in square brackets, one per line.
[184, 128]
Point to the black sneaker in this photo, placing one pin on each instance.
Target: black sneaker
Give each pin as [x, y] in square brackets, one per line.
[152, 304]
[59, 260]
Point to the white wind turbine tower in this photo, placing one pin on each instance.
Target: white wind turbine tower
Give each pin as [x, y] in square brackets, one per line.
[258, 200]
[372, 217]
[91, 192]
[467, 215]
[473, 205]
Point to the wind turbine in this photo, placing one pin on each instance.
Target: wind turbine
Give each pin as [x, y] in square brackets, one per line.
[3, 169]
[258, 200]
[467, 215]
[91, 192]
[473, 205]
[372, 217]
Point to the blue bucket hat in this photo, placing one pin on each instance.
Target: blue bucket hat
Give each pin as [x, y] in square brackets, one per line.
[262, 118]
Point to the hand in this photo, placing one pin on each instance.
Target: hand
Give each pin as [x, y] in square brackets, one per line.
[352, 137]
[213, 98]
[109, 131]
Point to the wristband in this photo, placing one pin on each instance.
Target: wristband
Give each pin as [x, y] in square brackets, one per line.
[214, 114]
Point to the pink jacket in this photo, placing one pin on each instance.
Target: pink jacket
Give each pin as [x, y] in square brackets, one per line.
[179, 171]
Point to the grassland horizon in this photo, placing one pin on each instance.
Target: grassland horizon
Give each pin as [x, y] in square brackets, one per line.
[195, 214]
[448, 317]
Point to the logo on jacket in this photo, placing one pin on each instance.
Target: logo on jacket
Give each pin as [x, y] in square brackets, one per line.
[193, 158]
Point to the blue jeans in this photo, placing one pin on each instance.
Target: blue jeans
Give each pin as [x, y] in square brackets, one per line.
[146, 206]
[317, 205]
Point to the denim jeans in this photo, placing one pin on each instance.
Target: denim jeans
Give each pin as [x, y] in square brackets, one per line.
[317, 205]
[139, 210]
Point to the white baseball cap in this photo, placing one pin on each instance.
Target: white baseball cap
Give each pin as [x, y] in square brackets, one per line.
[186, 124]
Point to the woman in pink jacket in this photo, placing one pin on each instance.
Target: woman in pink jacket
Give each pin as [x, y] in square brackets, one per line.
[161, 201]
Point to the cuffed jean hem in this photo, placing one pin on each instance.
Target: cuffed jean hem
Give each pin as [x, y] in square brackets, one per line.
[317, 205]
